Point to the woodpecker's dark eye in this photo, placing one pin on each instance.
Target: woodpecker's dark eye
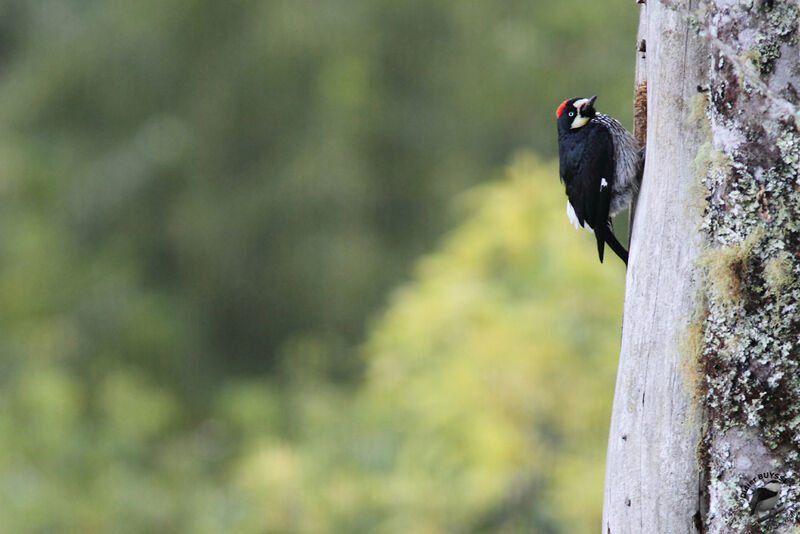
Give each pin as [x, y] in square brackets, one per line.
[571, 113]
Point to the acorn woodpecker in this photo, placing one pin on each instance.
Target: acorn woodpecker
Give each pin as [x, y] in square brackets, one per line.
[600, 165]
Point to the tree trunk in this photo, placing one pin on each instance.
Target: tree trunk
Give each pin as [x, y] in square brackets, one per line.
[651, 473]
[708, 387]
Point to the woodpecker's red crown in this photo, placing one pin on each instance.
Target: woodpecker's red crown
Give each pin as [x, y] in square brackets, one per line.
[562, 106]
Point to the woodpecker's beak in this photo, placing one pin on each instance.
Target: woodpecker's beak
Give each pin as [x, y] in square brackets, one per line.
[587, 110]
[585, 107]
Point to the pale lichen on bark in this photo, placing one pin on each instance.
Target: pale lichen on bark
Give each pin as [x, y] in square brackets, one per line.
[749, 288]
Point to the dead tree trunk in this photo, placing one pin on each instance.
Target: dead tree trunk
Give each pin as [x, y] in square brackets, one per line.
[651, 474]
[705, 430]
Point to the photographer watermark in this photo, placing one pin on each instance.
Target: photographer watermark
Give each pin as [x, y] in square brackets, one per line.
[764, 494]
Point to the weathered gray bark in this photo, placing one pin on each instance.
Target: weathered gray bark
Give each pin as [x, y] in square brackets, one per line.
[708, 387]
[652, 477]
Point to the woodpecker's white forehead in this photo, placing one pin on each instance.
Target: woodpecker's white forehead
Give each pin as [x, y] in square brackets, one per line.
[580, 103]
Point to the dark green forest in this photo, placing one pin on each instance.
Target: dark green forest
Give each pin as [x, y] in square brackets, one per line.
[301, 267]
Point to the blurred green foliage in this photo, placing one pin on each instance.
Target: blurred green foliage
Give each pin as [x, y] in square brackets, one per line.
[203, 207]
[483, 408]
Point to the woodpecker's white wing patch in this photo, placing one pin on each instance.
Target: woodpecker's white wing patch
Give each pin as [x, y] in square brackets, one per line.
[571, 215]
[573, 218]
[603, 184]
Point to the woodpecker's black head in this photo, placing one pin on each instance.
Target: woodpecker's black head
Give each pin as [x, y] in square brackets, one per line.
[575, 113]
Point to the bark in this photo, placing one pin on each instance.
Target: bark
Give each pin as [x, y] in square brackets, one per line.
[708, 387]
[651, 473]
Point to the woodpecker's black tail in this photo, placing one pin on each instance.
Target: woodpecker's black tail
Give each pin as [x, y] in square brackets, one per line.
[615, 245]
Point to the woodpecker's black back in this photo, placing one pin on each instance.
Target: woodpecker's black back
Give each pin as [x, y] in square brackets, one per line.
[599, 165]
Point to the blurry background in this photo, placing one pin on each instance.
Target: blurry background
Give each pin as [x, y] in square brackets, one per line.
[284, 266]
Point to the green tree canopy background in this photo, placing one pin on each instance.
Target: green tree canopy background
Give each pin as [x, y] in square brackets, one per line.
[203, 209]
